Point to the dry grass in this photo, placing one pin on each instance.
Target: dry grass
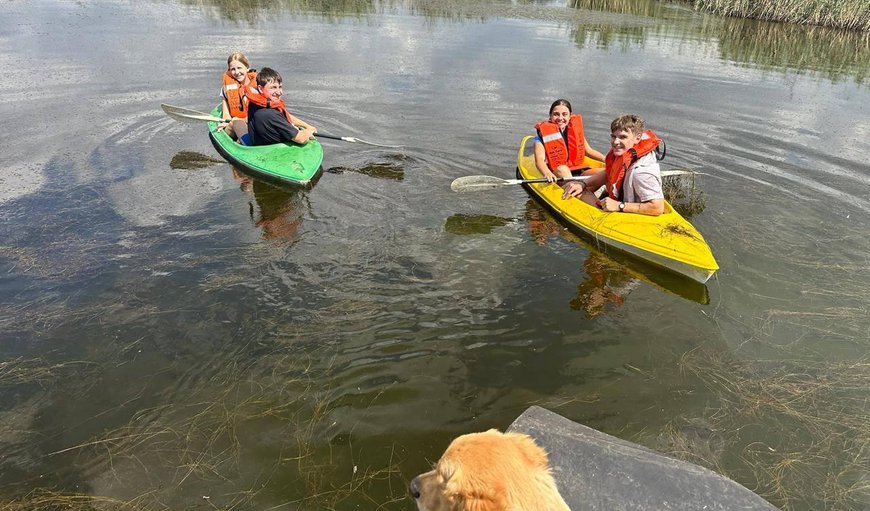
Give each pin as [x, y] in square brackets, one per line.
[20, 371]
[45, 500]
[849, 14]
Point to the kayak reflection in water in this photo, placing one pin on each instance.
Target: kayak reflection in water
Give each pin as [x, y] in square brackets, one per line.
[632, 176]
[560, 143]
[606, 281]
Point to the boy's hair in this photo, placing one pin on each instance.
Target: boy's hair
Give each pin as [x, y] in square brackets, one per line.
[240, 57]
[268, 75]
[627, 122]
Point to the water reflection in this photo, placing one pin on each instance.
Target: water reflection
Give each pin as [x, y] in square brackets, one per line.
[650, 8]
[834, 53]
[612, 276]
[837, 54]
[609, 278]
[256, 11]
[278, 211]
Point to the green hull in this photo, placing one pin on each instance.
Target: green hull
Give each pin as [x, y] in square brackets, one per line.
[284, 163]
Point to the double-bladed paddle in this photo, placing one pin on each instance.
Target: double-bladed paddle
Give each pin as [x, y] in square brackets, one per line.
[187, 115]
[474, 183]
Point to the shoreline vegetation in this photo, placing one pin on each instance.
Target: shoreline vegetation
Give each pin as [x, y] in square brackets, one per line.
[848, 14]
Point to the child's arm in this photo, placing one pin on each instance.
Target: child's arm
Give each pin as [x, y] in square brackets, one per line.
[302, 124]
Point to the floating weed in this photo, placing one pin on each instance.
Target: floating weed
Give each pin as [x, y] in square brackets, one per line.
[193, 443]
[21, 371]
[817, 459]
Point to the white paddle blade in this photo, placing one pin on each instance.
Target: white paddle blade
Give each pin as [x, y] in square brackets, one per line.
[187, 115]
[472, 183]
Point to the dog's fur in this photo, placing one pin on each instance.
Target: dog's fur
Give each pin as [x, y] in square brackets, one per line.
[489, 471]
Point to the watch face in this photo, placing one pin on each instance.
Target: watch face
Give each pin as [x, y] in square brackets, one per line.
[621, 206]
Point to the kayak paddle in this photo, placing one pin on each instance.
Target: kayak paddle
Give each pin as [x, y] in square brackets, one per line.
[473, 183]
[187, 115]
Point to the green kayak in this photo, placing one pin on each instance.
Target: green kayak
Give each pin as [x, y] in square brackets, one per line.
[285, 163]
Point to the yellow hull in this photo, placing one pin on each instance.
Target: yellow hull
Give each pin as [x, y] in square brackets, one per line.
[667, 240]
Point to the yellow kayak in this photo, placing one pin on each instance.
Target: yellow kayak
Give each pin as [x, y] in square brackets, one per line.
[667, 240]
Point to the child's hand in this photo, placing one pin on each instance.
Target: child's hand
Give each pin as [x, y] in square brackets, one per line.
[551, 178]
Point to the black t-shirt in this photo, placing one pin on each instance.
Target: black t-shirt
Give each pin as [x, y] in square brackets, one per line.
[269, 126]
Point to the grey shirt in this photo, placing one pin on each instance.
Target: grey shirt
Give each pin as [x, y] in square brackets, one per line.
[643, 181]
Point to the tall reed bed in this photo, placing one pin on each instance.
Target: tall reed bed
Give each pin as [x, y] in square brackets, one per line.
[851, 14]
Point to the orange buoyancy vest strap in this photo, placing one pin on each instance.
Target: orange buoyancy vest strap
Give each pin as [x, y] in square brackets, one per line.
[260, 100]
[558, 153]
[617, 167]
[237, 95]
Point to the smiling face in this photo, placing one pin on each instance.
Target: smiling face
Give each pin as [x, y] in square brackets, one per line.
[560, 115]
[623, 140]
[272, 90]
[238, 70]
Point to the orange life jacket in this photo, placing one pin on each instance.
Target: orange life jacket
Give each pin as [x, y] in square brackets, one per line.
[617, 167]
[236, 93]
[258, 99]
[554, 144]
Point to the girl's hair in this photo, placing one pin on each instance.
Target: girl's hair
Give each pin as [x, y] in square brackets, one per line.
[240, 57]
[558, 102]
[627, 122]
[268, 75]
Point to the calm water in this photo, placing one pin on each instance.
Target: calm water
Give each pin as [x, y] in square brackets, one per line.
[179, 336]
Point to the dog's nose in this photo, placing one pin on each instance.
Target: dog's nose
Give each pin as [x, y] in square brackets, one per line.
[414, 488]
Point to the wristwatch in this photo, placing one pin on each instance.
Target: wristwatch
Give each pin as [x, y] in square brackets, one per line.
[621, 206]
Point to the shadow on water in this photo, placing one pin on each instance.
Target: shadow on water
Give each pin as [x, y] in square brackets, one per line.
[192, 160]
[393, 169]
[461, 224]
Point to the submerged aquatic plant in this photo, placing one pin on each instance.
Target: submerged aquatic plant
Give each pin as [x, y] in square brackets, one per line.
[819, 408]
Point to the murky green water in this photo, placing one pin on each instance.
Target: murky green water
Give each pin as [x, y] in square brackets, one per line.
[176, 335]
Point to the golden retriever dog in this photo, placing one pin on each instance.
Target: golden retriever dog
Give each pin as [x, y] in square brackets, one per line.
[489, 471]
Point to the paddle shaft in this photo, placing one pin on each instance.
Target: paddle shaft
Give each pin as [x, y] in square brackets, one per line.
[545, 180]
[182, 114]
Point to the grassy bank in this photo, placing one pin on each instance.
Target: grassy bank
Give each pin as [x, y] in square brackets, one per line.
[851, 14]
